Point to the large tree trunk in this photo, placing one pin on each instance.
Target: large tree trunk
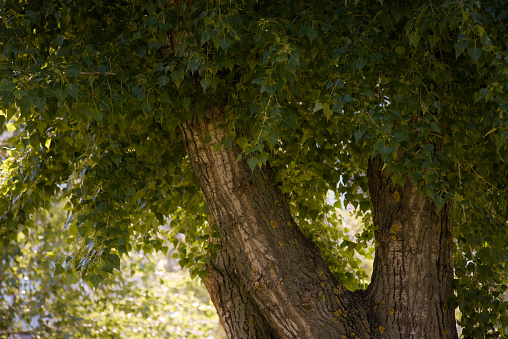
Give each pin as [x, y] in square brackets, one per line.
[269, 281]
[413, 272]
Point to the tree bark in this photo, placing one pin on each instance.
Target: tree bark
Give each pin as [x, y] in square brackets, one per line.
[284, 273]
[413, 272]
[269, 281]
[238, 313]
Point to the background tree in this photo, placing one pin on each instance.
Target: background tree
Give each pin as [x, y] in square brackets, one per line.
[134, 108]
[151, 297]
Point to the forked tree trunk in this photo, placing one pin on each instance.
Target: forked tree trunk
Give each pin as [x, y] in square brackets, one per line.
[269, 281]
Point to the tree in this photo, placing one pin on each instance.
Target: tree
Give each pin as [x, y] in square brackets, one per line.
[236, 118]
[149, 298]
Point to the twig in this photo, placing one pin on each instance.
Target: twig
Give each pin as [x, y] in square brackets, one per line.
[333, 89]
[264, 120]
[479, 176]
[296, 17]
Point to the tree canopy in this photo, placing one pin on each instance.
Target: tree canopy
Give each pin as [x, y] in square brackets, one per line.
[98, 92]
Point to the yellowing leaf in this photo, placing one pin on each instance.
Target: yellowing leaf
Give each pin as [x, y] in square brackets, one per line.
[10, 127]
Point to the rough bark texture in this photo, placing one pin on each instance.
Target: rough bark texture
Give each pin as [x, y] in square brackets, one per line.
[271, 282]
[272, 260]
[239, 314]
[413, 272]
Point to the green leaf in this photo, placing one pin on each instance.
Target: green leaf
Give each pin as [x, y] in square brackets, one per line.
[114, 260]
[71, 279]
[207, 139]
[163, 80]
[483, 93]
[253, 162]
[317, 106]
[327, 112]
[217, 147]
[164, 97]
[337, 107]
[435, 127]
[347, 98]
[83, 230]
[263, 158]
[177, 77]
[475, 53]
[358, 134]
[359, 63]
[58, 269]
[154, 45]
[206, 82]
[414, 38]
[224, 44]
[108, 267]
[202, 274]
[398, 97]
[95, 280]
[433, 39]
[6, 85]
[242, 142]
[428, 149]
[312, 34]
[228, 141]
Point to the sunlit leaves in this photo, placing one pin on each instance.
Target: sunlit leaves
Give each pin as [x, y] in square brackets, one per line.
[150, 297]
[96, 93]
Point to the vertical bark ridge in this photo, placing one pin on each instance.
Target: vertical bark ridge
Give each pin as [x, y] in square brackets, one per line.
[238, 312]
[282, 270]
[413, 272]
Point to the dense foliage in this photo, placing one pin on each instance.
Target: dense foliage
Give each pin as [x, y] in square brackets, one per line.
[150, 297]
[97, 90]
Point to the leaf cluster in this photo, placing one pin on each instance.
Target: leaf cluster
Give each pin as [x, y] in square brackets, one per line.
[96, 93]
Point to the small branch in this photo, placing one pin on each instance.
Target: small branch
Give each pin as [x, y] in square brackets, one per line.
[335, 85]
[460, 177]
[302, 13]
[264, 119]
[479, 176]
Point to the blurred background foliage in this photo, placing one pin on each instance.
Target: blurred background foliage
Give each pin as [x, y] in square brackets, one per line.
[152, 297]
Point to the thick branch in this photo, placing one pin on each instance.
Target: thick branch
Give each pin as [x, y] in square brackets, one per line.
[282, 270]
